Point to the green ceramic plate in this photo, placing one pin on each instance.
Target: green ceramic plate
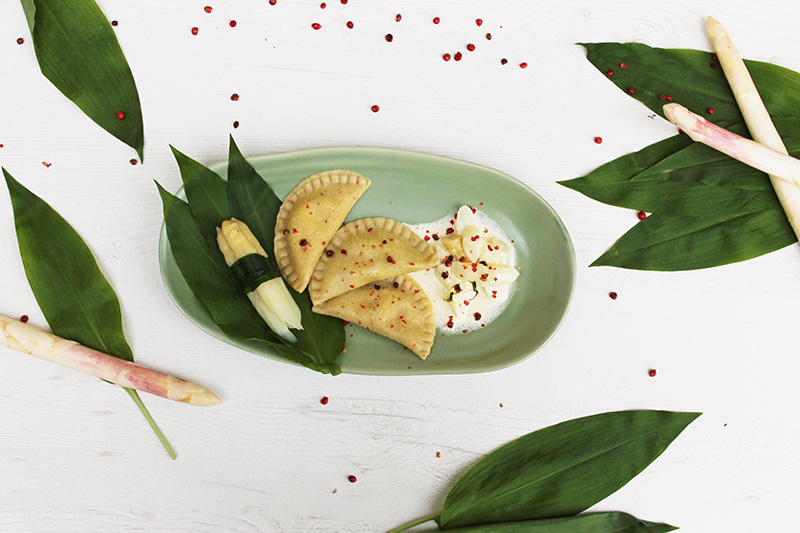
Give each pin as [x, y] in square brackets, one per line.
[415, 187]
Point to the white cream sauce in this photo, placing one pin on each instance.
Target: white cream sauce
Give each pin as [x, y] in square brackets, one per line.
[475, 280]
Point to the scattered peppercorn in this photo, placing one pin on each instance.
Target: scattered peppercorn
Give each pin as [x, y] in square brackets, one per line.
[458, 56]
[398, 17]
[114, 23]
[641, 215]
[613, 295]
[623, 65]
[134, 161]
[208, 9]
[436, 20]
[446, 57]
[389, 37]
[351, 479]
[598, 140]
[631, 90]
[350, 24]
[471, 47]
[235, 97]
[232, 24]
[323, 400]
[20, 40]
[375, 108]
[316, 25]
[523, 65]
[710, 110]
[652, 373]
[235, 124]
[503, 61]
[195, 30]
[23, 318]
[120, 115]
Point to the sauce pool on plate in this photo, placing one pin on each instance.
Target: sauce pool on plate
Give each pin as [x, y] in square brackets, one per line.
[474, 281]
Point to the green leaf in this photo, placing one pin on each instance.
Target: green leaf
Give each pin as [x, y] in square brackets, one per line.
[686, 242]
[589, 523]
[561, 470]
[79, 53]
[689, 78]
[252, 200]
[708, 209]
[207, 195]
[74, 296]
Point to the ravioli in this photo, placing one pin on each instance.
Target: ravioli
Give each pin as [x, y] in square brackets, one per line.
[365, 251]
[308, 219]
[396, 308]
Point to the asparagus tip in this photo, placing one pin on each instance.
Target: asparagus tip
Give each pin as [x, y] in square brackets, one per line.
[714, 28]
[203, 399]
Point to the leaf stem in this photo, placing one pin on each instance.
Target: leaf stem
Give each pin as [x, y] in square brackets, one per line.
[135, 395]
[416, 523]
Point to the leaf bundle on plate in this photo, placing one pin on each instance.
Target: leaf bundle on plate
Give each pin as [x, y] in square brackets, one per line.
[191, 229]
[74, 296]
[541, 481]
[707, 209]
[79, 53]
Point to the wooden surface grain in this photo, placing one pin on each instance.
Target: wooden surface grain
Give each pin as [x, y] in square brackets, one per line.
[76, 455]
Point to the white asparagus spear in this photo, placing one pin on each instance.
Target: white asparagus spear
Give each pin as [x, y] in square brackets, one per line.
[271, 298]
[755, 114]
[31, 340]
[777, 164]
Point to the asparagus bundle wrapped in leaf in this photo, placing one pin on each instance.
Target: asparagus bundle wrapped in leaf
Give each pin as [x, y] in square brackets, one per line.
[264, 287]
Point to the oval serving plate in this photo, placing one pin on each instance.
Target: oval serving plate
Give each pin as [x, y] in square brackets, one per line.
[415, 187]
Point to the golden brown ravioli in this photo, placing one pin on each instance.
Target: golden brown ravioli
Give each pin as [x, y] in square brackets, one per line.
[365, 251]
[309, 217]
[396, 308]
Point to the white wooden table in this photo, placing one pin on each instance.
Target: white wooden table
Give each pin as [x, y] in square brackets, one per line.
[76, 455]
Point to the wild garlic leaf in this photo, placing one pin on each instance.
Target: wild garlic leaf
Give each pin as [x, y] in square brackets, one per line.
[206, 193]
[668, 242]
[708, 209]
[252, 200]
[588, 523]
[561, 470]
[692, 78]
[79, 53]
[73, 294]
